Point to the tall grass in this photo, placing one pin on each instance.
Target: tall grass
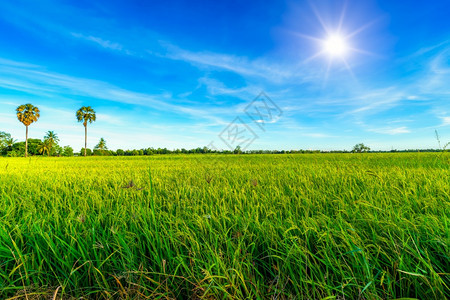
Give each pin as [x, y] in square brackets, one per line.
[320, 226]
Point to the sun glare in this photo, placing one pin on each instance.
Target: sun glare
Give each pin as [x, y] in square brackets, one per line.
[335, 45]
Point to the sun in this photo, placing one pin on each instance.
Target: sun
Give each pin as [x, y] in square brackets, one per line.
[335, 46]
[335, 41]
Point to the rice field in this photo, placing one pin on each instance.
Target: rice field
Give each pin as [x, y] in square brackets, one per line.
[306, 226]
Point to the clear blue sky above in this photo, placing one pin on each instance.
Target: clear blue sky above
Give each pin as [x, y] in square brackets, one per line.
[176, 74]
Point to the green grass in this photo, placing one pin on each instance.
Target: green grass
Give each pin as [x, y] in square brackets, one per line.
[331, 226]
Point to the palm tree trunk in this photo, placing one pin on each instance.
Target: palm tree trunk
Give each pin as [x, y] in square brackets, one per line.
[85, 139]
[26, 141]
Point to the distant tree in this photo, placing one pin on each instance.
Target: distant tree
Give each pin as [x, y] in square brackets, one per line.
[100, 149]
[86, 151]
[359, 148]
[3, 137]
[101, 145]
[120, 152]
[6, 142]
[18, 149]
[97, 152]
[56, 150]
[148, 151]
[237, 150]
[51, 139]
[67, 151]
[86, 114]
[9, 143]
[33, 147]
[45, 147]
[27, 114]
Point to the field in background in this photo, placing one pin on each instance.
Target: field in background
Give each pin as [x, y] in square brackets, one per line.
[226, 226]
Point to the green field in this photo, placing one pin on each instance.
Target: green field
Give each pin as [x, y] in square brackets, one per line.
[308, 226]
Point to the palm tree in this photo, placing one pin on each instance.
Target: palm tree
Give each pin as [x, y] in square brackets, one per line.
[27, 114]
[101, 145]
[85, 114]
[3, 138]
[51, 138]
[6, 142]
[9, 142]
[45, 147]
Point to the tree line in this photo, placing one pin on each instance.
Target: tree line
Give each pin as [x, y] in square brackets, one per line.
[28, 114]
[49, 146]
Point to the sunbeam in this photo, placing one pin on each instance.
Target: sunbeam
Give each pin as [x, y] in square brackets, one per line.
[336, 42]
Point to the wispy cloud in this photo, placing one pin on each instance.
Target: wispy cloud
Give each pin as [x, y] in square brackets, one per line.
[216, 87]
[273, 121]
[41, 82]
[377, 100]
[445, 121]
[391, 131]
[426, 88]
[274, 72]
[99, 41]
[318, 135]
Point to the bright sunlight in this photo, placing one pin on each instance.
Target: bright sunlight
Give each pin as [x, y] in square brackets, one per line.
[335, 45]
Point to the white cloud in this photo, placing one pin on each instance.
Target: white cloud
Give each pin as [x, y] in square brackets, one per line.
[272, 121]
[44, 83]
[99, 41]
[259, 68]
[216, 87]
[445, 121]
[391, 131]
[317, 135]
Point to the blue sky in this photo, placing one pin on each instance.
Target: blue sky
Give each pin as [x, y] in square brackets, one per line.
[176, 74]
